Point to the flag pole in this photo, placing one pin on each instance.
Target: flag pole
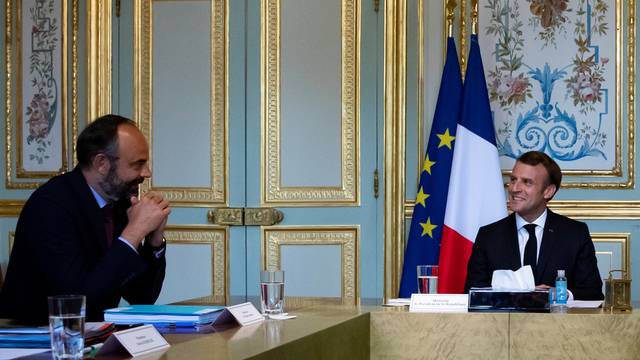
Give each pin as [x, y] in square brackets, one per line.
[451, 9]
[474, 17]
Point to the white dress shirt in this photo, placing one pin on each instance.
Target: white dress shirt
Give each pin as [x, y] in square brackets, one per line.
[102, 203]
[523, 234]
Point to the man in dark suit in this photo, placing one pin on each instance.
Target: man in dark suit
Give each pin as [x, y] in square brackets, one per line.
[534, 235]
[87, 232]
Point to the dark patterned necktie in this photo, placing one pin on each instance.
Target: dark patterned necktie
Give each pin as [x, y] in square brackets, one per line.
[531, 248]
[107, 213]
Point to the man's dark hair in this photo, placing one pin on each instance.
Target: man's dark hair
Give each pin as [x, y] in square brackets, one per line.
[101, 136]
[534, 158]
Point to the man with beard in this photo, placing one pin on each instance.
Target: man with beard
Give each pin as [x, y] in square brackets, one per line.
[534, 235]
[87, 232]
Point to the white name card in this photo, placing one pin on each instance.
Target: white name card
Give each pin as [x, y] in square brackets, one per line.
[439, 303]
[244, 314]
[138, 341]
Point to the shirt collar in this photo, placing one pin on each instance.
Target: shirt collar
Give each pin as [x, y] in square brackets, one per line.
[540, 221]
[101, 201]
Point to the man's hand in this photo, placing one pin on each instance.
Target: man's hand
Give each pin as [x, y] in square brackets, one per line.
[146, 215]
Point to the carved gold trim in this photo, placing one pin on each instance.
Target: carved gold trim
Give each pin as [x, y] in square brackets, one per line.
[597, 209]
[11, 208]
[272, 190]
[217, 237]
[582, 210]
[394, 142]
[75, 16]
[99, 32]
[12, 16]
[623, 240]
[348, 237]
[143, 103]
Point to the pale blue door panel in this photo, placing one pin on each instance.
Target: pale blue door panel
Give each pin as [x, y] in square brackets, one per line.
[310, 136]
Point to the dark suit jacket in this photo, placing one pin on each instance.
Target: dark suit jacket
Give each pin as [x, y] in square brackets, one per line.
[60, 247]
[566, 244]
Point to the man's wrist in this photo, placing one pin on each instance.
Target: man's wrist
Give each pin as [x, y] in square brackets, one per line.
[157, 247]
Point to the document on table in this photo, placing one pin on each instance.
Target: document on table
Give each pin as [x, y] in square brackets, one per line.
[584, 304]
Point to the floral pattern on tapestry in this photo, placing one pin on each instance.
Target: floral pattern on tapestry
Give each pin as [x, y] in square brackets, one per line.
[550, 80]
[41, 85]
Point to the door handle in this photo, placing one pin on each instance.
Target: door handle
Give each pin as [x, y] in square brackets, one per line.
[245, 216]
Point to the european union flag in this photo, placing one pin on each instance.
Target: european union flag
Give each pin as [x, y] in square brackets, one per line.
[423, 244]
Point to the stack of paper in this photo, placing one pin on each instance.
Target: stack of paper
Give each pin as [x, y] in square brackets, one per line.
[25, 337]
[38, 337]
[163, 315]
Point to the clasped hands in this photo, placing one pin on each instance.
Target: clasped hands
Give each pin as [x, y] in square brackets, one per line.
[147, 216]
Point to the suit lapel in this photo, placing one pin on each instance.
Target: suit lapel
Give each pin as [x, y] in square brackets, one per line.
[513, 249]
[87, 202]
[547, 245]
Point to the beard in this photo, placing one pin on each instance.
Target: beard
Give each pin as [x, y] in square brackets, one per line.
[117, 189]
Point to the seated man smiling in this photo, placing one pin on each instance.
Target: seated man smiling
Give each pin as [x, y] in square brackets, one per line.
[86, 232]
[534, 235]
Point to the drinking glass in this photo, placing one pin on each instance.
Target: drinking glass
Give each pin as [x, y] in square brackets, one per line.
[428, 279]
[66, 325]
[272, 291]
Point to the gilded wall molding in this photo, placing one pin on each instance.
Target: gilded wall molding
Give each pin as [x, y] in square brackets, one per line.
[13, 89]
[582, 209]
[99, 50]
[273, 238]
[394, 142]
[75, 18]
[216, 194]
[217, 238]
[623, 240]
[273, 192]
[11, 208]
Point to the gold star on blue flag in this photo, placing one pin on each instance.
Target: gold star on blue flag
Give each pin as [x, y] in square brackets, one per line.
[423, 244]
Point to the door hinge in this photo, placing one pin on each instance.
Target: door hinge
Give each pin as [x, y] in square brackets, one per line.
[376, 5]
[118, 8]
[376, 184]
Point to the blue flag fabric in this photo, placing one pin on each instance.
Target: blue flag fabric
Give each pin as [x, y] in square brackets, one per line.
[423, 244]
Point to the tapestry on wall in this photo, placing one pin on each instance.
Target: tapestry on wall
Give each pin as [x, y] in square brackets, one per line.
[551, 73]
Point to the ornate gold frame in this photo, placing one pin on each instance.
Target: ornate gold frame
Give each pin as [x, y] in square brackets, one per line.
[624, 241]
[11, 114]
[348, 237]
[273, 193]
[617, 171]
[143, 103]
[218, 239]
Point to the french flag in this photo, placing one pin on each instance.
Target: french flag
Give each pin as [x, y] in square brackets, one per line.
[476, 190]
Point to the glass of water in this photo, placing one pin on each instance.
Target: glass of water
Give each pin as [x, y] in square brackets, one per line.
[66, 325]
[272, 292]
[427, 279]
